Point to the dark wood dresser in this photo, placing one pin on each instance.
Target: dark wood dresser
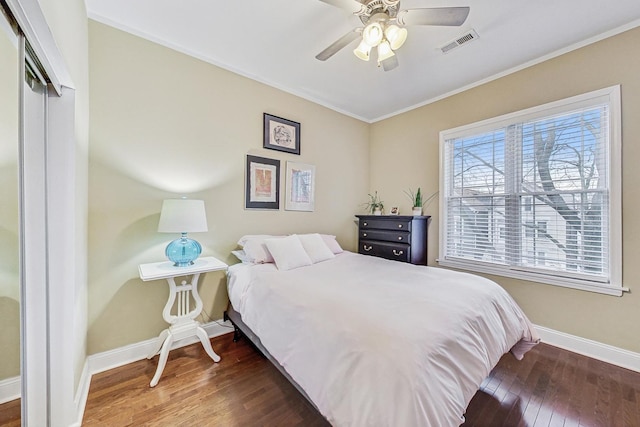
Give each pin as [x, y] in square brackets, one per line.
[401, 238]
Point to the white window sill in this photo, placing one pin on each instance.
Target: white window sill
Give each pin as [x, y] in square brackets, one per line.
[584, 285]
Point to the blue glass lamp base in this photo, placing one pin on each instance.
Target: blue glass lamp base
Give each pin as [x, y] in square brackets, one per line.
[183, 251]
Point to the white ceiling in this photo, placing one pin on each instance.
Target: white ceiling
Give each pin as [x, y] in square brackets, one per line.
[275, 42]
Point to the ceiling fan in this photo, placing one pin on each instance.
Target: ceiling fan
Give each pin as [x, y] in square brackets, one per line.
[384, 27]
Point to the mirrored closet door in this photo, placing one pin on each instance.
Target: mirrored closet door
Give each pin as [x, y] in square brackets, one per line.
[9, 209]
[23, 350]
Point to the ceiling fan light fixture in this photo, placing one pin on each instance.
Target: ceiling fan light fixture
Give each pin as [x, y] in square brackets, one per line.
[362, 51]
[383, 27]
[396, 36]
[384, 51]
[372, 34]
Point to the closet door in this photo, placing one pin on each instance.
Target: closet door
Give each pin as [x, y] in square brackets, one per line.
[42, 117]
[33, 236]
[9, 214]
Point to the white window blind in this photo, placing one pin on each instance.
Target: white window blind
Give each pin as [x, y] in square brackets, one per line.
[536, 194]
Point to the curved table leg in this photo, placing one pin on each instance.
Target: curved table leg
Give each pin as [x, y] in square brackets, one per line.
[158, 345]
[162, 361]
[204, 339]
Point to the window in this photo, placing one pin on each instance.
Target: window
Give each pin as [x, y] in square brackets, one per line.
[536, 194]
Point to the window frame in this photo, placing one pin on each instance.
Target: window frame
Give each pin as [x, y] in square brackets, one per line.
[609, 95]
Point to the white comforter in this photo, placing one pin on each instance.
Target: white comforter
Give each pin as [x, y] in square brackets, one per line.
[381, 343]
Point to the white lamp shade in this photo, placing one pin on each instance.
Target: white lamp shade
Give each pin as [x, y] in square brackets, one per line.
[362, 51]
[384, 51]
[182, 216]
[396, 36]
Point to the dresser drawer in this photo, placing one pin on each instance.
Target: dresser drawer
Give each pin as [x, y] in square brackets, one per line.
[385, 224]
[386, 235]
[398, 252]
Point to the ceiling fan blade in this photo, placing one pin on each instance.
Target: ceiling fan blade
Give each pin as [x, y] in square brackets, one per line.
[339, 44]
[449, 16]
[350, 5]
[390, 63]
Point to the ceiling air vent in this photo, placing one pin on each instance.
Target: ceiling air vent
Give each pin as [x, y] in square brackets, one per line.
[459, 41]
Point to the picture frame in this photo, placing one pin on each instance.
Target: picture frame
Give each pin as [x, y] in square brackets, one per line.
[281, 134]
[262, 186]
[300, 187]
[394, 211]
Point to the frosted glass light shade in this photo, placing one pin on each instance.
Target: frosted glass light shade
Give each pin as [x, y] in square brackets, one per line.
[372, 34]
[396, 36]
[182, 216]
[362, 51]
[384, 51]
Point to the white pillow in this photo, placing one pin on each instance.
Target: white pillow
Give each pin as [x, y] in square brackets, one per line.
[242, 256]
[288, 252]
[244, 239]
[332, 243]
[257, 251]
[315, 247]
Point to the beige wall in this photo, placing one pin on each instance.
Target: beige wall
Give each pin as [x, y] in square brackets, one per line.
[164, 125]
[404, 153]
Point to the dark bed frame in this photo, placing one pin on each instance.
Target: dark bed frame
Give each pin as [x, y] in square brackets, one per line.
[240, 329]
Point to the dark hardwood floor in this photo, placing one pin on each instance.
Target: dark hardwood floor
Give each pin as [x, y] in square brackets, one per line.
[555, 387]
[550, 387]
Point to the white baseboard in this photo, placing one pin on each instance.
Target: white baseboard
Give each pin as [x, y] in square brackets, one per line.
[596, 350]
[101, 362]
[82, 393]
[9, 389]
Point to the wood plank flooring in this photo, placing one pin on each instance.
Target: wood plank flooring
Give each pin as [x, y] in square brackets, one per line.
[550, 387]
[554, 387]
[10, 414]
[244, 389]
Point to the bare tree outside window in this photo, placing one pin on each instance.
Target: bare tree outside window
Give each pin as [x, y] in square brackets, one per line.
[533, 193]
[536, 194]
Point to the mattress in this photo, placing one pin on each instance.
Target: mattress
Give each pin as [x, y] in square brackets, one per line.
[375, 342]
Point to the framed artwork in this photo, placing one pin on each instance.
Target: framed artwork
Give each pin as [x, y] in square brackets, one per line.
[300, 187]
[281, 134]
[262, 183]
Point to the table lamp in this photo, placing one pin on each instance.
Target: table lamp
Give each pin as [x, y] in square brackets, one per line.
[183, 216]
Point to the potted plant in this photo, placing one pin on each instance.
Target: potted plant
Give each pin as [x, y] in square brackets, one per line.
[374, 205]
[417, 201]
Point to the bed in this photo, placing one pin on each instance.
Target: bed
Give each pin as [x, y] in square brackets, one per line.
[373, 342]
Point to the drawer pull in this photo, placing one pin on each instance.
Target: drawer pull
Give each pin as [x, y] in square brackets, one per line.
[367, 248]
[399, 225]
[365, 224]
[400, 238]
[364, 234]
[398, 253]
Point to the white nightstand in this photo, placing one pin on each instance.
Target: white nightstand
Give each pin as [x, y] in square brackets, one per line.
[183, 324]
